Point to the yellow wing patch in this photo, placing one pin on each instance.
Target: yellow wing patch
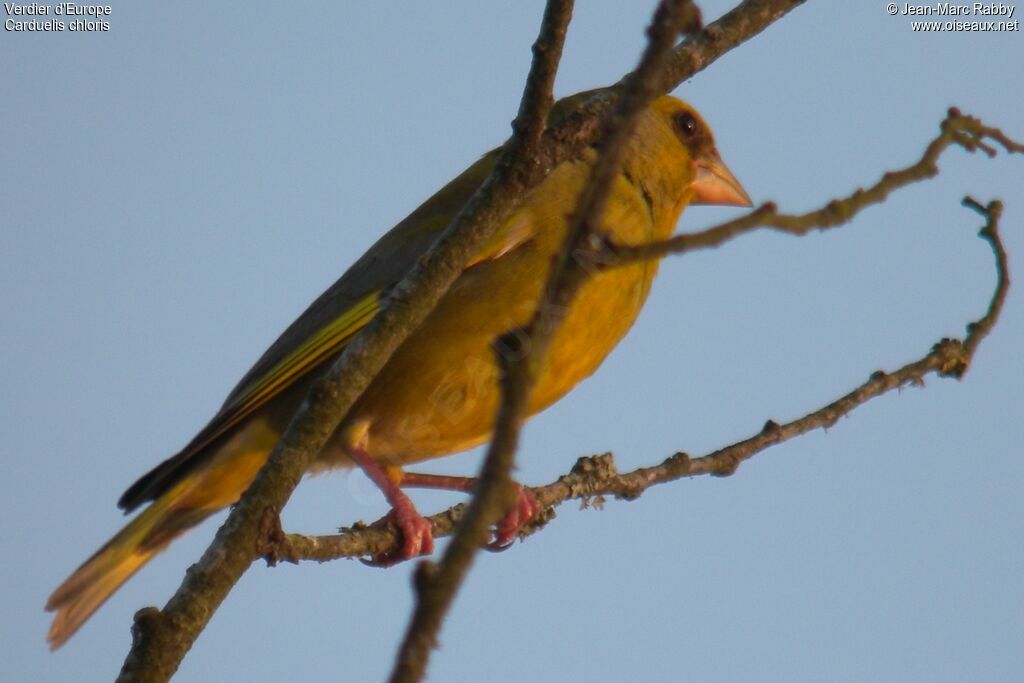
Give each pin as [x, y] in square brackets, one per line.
[333, 337]
[327, 341]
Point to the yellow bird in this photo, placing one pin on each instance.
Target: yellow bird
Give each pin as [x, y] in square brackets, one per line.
[438, 393]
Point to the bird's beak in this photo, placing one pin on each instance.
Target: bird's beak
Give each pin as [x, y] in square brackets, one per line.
[715, 185]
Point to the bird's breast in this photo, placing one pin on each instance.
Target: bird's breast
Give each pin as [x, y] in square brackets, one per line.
[439, 392]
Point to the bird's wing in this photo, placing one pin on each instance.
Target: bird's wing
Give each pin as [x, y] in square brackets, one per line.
[346, 307]
[351, 302]
[334, 318]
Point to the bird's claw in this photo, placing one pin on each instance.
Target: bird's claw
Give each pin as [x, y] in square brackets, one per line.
[415, 530]
[526, 508]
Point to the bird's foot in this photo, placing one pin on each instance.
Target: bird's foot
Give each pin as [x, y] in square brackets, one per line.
[526, 508]
[415, 530]
[417, 536]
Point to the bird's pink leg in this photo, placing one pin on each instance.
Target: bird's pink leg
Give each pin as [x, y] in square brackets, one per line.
[525, 509]
[417, 536]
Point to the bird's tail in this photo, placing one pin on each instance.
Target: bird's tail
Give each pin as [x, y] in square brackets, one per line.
[123, 555]
[188, 497]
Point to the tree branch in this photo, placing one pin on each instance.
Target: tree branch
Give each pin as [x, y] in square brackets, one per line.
[736, 26]
[579, 129]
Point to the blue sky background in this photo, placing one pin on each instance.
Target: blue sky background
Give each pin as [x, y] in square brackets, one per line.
[176, 190]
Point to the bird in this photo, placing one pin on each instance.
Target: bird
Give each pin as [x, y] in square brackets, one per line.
[438, 393]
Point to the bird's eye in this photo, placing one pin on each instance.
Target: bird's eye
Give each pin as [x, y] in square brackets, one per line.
[687, 125]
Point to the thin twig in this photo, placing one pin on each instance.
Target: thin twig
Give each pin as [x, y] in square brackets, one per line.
[538, 93]
[437, 585]
[980, 329]
[699, 49]
[581, 128]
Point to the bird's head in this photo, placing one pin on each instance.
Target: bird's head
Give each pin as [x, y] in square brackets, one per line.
[685, 141]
